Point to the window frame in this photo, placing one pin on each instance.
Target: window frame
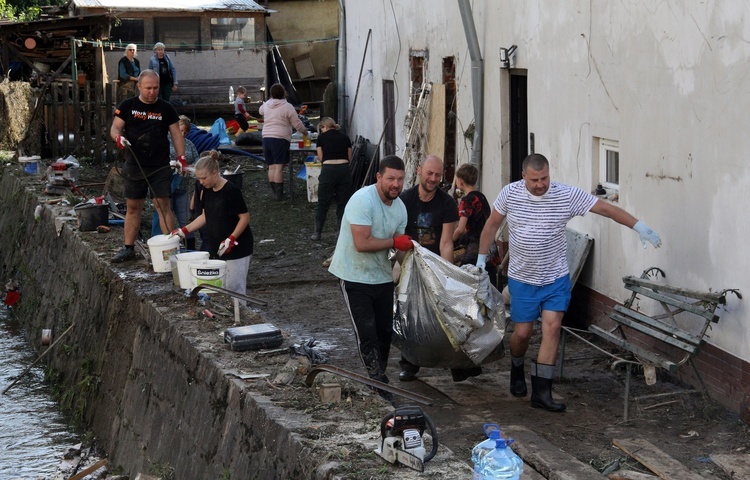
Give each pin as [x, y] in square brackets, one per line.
[605, 147]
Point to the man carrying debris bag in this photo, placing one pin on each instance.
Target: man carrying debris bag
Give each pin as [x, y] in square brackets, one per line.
[537, 211]
[432, 219]
[374, 221]
[146, 120]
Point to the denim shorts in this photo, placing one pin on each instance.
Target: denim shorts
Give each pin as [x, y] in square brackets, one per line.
[275, 151]
[528, 301]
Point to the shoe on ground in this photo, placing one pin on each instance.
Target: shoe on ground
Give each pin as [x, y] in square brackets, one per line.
[459, 375]
[407, 376]
[124, 255]
[315, 236]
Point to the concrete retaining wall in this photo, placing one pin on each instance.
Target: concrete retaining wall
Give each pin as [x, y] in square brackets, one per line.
[149, 397]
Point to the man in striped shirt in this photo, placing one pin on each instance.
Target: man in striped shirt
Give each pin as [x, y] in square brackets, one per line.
[537, 211]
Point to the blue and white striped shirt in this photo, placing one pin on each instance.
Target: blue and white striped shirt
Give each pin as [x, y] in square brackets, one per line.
[537, 229]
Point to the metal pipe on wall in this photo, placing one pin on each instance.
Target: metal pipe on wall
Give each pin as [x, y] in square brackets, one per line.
[477, 82]
[342, 69]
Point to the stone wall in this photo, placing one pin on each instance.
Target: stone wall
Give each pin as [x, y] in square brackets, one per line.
[147, 394]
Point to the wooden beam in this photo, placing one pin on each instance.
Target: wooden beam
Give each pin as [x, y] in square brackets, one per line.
[436, 138]
[656, 460]
[736, 465]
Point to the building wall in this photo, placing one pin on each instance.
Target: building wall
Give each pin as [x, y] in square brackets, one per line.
[302, 27]
[667, 81]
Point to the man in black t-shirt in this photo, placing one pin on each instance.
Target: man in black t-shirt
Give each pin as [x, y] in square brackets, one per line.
[432, 217]
[146, 121]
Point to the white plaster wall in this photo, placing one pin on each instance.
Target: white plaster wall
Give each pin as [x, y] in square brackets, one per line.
[201, 64]
[668, 80]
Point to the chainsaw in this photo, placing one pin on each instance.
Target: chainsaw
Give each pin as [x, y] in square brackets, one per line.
[402, 437]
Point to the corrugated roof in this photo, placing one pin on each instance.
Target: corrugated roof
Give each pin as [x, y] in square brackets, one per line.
[181, 5]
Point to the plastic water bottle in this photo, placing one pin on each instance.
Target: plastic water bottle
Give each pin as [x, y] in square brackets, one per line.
[231, 94]
[492, 430]
[502, 462]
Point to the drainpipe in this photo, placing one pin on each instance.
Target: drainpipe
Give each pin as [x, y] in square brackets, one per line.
[342, 69]
[477, 81]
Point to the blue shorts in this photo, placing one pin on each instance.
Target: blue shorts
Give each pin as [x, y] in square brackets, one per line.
[528, 301]
[275, 151]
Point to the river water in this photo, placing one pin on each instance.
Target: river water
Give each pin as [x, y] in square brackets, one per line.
[34, 434]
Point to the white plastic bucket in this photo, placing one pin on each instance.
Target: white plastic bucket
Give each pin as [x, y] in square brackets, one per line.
[183, 279]
[161, 247]
[209, 272]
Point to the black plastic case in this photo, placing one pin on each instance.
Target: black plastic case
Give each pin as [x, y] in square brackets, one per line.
[253, 337]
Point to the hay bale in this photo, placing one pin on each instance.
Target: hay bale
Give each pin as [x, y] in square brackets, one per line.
[16, 108]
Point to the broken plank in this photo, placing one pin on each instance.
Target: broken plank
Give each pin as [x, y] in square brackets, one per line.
[547, 459]
[735, 465]
[656, 460]
[436, 137]
[630, 475]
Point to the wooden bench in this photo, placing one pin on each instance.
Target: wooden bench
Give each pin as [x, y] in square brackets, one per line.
[667, 340]
[211, 97]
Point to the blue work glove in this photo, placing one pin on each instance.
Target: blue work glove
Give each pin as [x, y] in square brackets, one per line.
[646, 234]
[482, 260]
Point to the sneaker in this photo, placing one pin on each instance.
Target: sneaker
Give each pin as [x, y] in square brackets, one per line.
[127, 253]
[407, 376]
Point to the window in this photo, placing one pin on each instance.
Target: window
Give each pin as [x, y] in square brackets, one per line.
[127, 30]
[417, 70]
[609, 164]
[232, 33]
[178, 33]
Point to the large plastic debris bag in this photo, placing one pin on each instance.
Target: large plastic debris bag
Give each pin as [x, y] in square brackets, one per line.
[447, 316]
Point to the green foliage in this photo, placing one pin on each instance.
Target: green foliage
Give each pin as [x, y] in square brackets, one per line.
[25, 10]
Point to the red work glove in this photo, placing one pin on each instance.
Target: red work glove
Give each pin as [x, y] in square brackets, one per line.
[180, 232]
[403, 243]
[227, 245]
[122, 142]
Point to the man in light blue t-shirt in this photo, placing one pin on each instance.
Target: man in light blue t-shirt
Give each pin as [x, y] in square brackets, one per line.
[373, 223]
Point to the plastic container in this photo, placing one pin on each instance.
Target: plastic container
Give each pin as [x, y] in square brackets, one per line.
[492, 430]
[30, 165]
[234, 178]
[183, 279]
[312, 172]
[91, 215]
[161, 247]
[500, 463]
[209, 272]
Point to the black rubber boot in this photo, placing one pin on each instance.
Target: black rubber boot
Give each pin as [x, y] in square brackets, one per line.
[541, 395]
[278, 190]
[318, 230]
[517, 381]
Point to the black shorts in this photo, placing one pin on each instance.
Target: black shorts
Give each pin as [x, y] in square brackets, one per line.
[275, 151]
[157, 179]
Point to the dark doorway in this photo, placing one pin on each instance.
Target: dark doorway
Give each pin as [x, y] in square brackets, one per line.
[519, 125]
[389, 118]
[449, 155]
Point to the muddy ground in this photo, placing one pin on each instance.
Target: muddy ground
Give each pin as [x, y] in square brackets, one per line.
[304, 300]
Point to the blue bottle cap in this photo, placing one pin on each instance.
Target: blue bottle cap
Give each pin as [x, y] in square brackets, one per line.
[490, 427]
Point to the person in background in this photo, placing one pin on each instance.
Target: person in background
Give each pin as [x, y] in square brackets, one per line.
[279, 116]
[473, 212]
[162, 64]
[128, 70]
[537, 210]
[335, 181]
[147, 164]
[240, 113]
[227, 221]
[373, 223]
[432, 220]
[180, 185]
